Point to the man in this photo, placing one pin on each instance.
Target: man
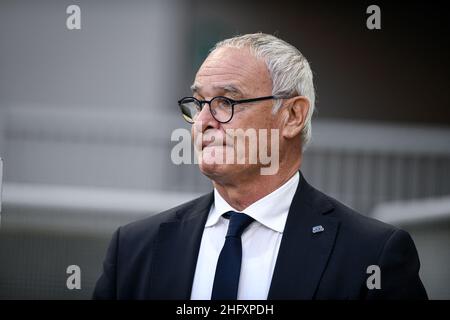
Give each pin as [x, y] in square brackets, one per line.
[257, 235]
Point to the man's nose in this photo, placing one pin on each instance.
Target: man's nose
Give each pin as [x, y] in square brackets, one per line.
[206, 119]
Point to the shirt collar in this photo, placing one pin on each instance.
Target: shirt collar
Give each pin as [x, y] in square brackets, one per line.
[271, 210]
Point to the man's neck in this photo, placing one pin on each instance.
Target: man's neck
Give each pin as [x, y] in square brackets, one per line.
[246, 192]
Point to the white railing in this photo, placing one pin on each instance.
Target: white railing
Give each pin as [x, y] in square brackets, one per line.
[86, 209]
[413, 212]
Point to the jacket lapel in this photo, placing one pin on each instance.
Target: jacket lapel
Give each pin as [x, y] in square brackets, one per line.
[303, 255]
[176, 250]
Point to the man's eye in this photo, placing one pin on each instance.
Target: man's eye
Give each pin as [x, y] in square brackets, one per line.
[224, 103]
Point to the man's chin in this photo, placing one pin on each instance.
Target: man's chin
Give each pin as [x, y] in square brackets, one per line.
[214, 169]
[214, 163]
[220, 172]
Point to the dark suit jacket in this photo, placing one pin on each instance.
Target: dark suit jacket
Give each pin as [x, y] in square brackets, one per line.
[156, 258]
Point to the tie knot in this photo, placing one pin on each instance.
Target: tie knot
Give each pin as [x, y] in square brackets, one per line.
[238, 223]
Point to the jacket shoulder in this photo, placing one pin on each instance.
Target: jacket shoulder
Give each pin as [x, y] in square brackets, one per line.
[363, 242]
[361, 228]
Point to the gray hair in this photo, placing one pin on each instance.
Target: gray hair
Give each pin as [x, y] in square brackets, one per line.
[290, 71]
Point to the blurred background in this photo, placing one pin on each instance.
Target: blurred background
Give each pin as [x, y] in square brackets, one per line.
[86, 118]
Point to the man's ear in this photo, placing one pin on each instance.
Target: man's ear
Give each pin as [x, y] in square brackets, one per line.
[296, 113]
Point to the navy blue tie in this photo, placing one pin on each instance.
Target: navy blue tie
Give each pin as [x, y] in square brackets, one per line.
[226, 280]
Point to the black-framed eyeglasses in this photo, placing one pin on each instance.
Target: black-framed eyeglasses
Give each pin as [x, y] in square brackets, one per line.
[221, 108]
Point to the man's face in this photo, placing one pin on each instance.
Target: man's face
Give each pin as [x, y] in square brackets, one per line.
[237, 74]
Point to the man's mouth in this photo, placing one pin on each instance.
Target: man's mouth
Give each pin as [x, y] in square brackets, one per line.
[212, 143]
[210, 139]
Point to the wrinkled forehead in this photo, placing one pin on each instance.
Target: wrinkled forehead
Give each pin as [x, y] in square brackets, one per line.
[236, 70]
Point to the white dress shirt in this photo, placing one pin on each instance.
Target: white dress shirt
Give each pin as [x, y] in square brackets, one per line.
[260, 243]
